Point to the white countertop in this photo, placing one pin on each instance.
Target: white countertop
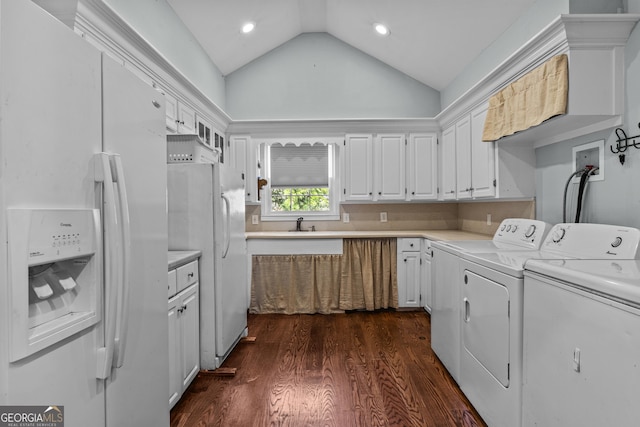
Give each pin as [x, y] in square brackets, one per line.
[428, 234]
[178, 258]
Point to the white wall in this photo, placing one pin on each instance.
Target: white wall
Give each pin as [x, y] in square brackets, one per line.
[616, 200]
[157, 23]
[315, 75]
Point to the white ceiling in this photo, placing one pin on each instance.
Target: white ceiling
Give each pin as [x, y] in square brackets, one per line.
[431, 40]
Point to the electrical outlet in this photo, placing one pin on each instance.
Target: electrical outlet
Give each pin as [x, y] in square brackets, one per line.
[254, 219]
[345, 217]
[383, 217]
[488, 219]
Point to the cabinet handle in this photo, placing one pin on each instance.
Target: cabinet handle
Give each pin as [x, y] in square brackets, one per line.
[184, 308]
[190, 275]
[180, 310]
[379, 193]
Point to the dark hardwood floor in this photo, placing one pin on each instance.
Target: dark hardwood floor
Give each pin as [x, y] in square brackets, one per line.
[354, 369]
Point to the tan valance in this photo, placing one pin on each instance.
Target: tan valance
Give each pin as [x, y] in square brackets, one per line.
[530, 100]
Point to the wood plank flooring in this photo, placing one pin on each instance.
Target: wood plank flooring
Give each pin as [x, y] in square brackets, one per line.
[353, 369]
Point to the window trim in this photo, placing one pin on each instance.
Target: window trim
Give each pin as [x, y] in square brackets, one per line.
[267, 214]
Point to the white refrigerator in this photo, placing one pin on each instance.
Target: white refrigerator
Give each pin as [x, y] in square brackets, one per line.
[83, 327]
[207, 213]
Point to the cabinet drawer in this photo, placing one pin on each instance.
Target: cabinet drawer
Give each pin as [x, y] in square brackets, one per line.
[410, 244]
[187, 275]
[172, 283]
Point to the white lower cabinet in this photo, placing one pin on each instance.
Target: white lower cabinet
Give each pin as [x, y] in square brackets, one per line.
[409, 272]
[184, 330]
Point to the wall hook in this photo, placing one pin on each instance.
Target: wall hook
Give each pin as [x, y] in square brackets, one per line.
[622, 143]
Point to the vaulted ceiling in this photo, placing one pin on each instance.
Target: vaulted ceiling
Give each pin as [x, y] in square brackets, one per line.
[430, 40]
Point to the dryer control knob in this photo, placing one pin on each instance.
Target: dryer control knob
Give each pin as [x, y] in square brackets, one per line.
[530, 231]
[617, 242]
[514, 228]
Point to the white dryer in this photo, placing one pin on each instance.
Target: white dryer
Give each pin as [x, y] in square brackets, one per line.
[512, 234]
[492, 312]
[582, 343]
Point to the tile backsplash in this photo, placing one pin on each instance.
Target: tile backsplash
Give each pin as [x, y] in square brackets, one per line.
[470, 216]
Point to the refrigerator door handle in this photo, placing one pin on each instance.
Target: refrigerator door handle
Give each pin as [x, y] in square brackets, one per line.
[227, 204]
[103, 174]
[122, 324]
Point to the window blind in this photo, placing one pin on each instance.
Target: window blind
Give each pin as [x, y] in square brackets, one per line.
[303, 165]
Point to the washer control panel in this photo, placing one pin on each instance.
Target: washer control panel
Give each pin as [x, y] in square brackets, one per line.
[593, 241]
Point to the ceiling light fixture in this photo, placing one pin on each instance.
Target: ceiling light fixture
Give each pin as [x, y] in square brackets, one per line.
[248, 27]
[382, 29]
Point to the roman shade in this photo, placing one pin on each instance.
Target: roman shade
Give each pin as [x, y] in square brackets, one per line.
[530, 100]
[304, 165]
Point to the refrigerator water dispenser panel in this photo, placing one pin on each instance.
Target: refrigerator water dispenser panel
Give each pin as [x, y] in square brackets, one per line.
[55, 275]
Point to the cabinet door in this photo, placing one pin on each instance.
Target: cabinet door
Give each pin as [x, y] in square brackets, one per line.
[358, 167]
[422, 170]
[190, 328]
[171, 118]
[390, 167]
[243, 159]
[425, 280]
[463, 158]
[449, 163]
[186, 119]
[175, 352]
[483, 171]
[408, 277]
[204, 130]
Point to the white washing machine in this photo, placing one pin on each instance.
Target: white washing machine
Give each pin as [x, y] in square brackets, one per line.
[581, 343]
[513, 234]
[492, 312]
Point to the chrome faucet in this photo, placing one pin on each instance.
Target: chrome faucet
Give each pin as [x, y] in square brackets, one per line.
[299, 224]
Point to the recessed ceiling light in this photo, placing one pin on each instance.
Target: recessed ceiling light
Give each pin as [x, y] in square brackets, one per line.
[248, 27]
[382, 29]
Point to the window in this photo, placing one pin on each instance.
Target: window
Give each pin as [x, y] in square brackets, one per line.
[301, 181]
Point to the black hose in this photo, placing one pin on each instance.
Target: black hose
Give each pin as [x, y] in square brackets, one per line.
[583, 179]
[589, 173]
[564, 198]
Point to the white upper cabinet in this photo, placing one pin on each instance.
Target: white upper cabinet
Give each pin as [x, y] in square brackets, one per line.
[448, 164]
[358, 167]
[421, 165]
[244, 159]
[180, 118]
[391, 167]
[171, 113]
[474, 159]
[186, 119]
[463, 158]
[389, 172]
[483, 169]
